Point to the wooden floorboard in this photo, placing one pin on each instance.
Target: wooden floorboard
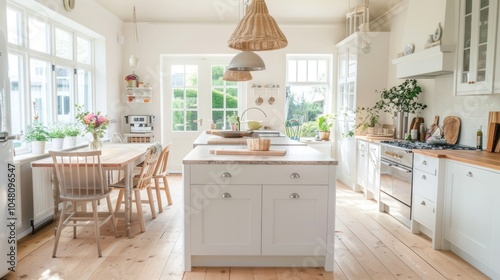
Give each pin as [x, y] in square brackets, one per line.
[368, 245]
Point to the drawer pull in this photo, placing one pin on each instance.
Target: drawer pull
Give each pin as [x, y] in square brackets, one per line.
[422, 203]
[424, 162]
[295, 175]
[423, 177]
[226, 195]
[294, 195]
[469, 174]
[226, 175]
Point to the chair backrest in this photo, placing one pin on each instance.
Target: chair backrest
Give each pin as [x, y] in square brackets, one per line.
[79, 174]
[118, 138]
[148, 167]
[161, 165]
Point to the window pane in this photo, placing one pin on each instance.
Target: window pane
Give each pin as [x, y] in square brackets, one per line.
[40, 88]
[217, 98]
[191, 124]
[14, 31]
[231, 98]
[38, 35]
[217, 73]
[16, 93]
[312, 71]
[218, 119]
[64, 43]
[322, 71]
[83, 50]
[302, 71]
[178, 99]
[191, 75]
[305, 103]
[178, 121]
[192, 98]
[84, 93]
[292, 70]
[63, 86]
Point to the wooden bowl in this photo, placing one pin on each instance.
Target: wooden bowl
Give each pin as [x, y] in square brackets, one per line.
[232, 134]
[258, 144]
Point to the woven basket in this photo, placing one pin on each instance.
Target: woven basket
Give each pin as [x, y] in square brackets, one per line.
[259, 144]
[257, 31]
[237, 76]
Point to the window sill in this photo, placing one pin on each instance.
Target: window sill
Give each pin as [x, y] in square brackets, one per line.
[29, 157]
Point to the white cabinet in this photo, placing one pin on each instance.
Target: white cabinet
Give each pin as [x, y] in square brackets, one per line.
[362, 164]
[139, 94]
[476, 47]
[373, 185]
[251, 214]
[229, 219]
[472, 215]
[359, 76]
[293, 220]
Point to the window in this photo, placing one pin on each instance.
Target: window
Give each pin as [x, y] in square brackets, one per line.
[308, 90]
[50, 70]
[224, 98]
[185, 97]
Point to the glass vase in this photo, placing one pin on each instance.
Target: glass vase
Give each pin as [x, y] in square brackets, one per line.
[95, 143]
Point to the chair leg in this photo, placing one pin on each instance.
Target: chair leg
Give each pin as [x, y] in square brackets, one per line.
[167, 190]
[158, 196]
[59, 228]
[74, 222]
[151, 202]
[110, 209]
[96, 228]
[138, 203]
[119, 200]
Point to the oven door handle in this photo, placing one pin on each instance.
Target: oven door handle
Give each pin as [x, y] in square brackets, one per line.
[396, 166]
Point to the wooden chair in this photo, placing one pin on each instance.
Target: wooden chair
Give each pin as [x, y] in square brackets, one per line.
[81, 179]
[141, 181]
[161, 173]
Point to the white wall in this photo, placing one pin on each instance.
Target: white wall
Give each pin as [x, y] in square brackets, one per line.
[414, 26]
[157, 39]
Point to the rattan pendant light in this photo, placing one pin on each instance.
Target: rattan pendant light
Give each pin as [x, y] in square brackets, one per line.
[257, 30]
[237, 76]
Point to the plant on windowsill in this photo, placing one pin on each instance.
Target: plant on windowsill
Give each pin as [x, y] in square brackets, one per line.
[37, 135]
[71, 131]
[325, 123]
[56, 133]
[368, 118]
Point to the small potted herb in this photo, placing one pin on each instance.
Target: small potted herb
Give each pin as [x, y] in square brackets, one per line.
[37, 135]
[71, 131]
[57, 133]
[325, 123]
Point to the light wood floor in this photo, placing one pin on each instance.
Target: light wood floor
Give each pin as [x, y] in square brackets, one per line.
[368, 245]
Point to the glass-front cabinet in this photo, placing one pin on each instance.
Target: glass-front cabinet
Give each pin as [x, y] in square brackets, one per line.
[476, 46]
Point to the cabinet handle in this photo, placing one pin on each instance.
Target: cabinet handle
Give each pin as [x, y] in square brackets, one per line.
[472, 82]
[226, 175]
[294, 195]
[295, 175]
[423, 177]
[469, 174]
[226, 195]
[422, 203]
[424, 162]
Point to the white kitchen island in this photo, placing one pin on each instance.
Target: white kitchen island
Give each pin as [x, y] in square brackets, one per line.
[253, 210]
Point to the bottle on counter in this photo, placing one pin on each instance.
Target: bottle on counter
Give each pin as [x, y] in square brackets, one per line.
[479, 139]
[238, 123]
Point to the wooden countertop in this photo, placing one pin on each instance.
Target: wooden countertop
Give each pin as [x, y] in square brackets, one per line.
[375, 139]
[479, 158]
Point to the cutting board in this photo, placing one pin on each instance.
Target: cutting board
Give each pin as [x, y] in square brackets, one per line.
[432, 129]
[248, 152]
[493, 142]
[451, 128]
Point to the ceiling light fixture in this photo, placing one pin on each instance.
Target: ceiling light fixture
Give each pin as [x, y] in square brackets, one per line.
[133, 60]
[237, 76]
[257, 30]
[247, 61]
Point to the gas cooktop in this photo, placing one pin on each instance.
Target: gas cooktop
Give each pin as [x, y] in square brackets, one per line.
[421, 145]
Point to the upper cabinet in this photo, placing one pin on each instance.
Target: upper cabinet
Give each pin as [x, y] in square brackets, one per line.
[476, 49]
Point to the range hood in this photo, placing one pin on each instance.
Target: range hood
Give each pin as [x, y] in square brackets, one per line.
[440, 59]
[426, 64]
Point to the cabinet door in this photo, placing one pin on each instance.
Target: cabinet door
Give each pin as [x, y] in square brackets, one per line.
[362, 164]
[294, 220]
[476, 50]
[226, 219]
[472, 210]
[374, 169]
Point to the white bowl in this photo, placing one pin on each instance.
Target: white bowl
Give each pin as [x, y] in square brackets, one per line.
[254, 125]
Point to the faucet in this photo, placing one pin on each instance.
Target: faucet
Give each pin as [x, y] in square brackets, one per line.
[241, 118]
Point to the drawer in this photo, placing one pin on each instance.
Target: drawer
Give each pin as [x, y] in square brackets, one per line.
[426, 164]
[425, 184]
[259, 174]
[423, 211]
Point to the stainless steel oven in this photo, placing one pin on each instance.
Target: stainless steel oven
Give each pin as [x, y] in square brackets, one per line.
[396, 182]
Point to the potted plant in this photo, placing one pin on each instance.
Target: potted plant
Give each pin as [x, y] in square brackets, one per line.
[234, 122]
[368, 119]
[37, 135]
[401, 100]
[57, 133]
[71, 131]
[325, 123]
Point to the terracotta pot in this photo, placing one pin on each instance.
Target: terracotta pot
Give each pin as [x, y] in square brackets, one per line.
[324, 135]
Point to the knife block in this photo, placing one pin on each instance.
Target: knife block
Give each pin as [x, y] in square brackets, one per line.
[493, 144]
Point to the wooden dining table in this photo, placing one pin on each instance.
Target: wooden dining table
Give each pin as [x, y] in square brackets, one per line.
[116, 157]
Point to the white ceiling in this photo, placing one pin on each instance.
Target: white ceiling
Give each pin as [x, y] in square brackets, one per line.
[222, 11]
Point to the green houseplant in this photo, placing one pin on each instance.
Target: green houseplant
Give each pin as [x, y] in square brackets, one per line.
[57, 133]
[71, 132]
[325, 123]
[368, 118]
[37, 134]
